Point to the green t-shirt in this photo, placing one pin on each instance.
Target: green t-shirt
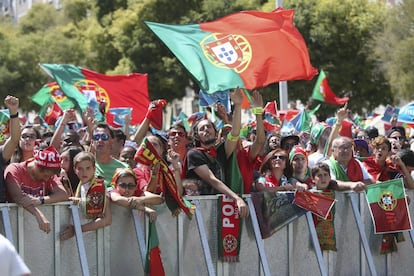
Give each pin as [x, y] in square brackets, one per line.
[107, 170]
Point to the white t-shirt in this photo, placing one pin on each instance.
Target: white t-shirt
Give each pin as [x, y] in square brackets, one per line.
[314, 158]
[10, 262]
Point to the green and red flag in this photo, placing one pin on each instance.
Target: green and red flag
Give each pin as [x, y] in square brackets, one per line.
[4, 123]
[51, 93]
[323, 92]
[247, 49]
[388, 206]
[318, 204]
[51, 113]
[153, 262]
[83, 86]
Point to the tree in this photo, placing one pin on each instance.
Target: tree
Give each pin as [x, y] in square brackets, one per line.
[393, 49]
[338, 35]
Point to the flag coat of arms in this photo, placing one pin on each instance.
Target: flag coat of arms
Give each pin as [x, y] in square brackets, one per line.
[248, 49]
[388, 206]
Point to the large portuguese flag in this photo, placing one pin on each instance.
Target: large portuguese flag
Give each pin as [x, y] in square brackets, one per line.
[247, 49]
[83, 85]
[388, 206]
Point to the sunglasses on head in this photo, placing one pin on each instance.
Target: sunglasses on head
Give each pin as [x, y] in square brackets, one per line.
[128, 186]
[281, 157]
[102, 136]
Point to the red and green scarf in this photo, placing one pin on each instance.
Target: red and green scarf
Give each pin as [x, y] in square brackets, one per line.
[147, 155]
[353, 173]
[228, 220]
[325, 229]
[95, 200]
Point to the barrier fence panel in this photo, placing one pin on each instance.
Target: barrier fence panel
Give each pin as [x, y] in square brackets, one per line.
[115, 250]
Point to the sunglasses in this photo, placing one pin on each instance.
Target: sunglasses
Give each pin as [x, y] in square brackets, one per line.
[176, 133]
[27, 136]
[281, 157]
[363, 137]
[128, 186]
[103, 136]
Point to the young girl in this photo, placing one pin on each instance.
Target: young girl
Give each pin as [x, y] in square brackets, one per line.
[127, 194]
[91, 193]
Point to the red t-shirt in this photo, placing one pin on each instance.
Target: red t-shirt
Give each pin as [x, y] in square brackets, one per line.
[143, 178]
[247, 168]
[17, 173]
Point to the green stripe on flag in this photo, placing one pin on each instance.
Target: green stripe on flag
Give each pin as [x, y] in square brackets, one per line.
[375, 191]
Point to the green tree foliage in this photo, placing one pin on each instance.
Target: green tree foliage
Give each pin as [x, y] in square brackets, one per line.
[110, 37]
[393, 48]
[337, 34]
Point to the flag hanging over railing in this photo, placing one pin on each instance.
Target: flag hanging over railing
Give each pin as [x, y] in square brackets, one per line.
[388, 206]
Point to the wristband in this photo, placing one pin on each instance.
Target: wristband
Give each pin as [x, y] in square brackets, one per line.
[42, 200]
[14, 115]
[232, 138]
[258, 110]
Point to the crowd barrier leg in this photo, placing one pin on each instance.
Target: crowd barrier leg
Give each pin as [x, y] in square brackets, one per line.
[361, 230]
[140, 235]
[203, 237]
[79, 240]
[316, 245]
[7, 223]
[258, 236]
[56, 229]
[412, 237]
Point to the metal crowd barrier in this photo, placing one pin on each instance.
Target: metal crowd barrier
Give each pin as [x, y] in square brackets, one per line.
[189, 247]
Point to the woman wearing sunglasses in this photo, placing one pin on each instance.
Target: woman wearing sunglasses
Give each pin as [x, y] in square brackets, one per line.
[275, 172]
[127, 194]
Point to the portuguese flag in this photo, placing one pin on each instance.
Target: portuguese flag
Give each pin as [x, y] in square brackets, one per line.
[51, 93]
[388, 206]
[323, 92]
[247, 49]
[153, 262]
[84, 86]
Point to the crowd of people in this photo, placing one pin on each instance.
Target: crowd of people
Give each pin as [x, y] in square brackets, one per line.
[96, 165]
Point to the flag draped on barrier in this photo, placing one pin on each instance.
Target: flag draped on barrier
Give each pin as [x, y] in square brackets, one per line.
[388, 206]
[248, 49]
[153, 262]
[274, 210]
[318, 204]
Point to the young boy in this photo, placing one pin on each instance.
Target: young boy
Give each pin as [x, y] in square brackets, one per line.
[325, 228]
[91, 194]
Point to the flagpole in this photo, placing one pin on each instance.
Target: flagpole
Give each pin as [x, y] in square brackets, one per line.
[283, 97]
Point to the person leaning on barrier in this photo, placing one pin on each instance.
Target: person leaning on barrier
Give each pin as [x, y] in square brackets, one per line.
[345, 169]
[91, 195]
[10, 145]
[205, 163]
[126, 193]
[34, 182]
